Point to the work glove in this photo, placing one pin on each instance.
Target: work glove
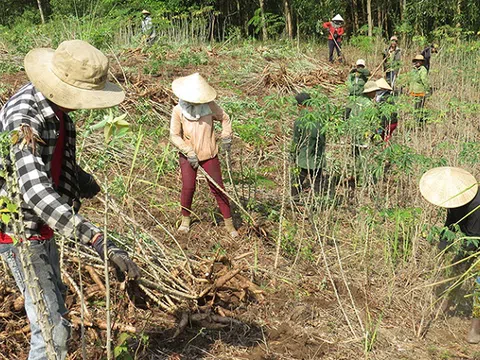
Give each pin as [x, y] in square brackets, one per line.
[227, 145]
[118, 257]
[193, 160]
[335, 36]
[87, 184]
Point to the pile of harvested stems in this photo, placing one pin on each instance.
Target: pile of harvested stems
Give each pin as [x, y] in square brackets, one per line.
[195, 290]
[279, 77]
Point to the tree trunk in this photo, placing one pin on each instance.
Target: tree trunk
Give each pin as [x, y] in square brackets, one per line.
[369, 17]
[288, 19]
[39, 2]
[355, 14]
[264, 22]
[459, 12]
[379, 17]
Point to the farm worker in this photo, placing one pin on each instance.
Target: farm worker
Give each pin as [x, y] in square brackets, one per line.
[148, 29]
[357, 78]
[308, 147]
[192, 132]
[387, 110]
[457, 190]
[74, 76]
[335, 32]
[392, 57]
[427, 54]
[357, 105]
[419, 86]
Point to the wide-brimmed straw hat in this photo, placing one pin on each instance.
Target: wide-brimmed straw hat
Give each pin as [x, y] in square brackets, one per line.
[418, 58]
[448, 187]
[383, 84]
[194, 89]
[74, 76]
[370, 86]
[146, 12]
[394, 38]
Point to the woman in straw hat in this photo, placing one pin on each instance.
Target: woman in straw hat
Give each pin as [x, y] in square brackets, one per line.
[192, 132]
[74, 76]
[457, 190]
[387, 109]
[419, 87]
[335, 32]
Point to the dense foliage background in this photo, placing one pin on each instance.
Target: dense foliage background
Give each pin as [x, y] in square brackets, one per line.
[267, 18]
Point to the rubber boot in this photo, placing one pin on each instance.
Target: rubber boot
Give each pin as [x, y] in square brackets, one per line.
[185, 225]
[474, 333]
[230, 228]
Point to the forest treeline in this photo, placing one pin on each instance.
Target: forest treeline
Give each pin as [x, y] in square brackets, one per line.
[269, 18]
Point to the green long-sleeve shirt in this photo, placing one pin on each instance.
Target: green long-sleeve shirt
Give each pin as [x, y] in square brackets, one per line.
[356, 81]
[419, 83]
[308, 144]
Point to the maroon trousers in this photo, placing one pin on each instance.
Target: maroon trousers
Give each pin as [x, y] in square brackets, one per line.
[189, 181]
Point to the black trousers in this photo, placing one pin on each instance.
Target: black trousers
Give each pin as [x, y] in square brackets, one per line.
[331, 47]
[314, 177]
[419, 109]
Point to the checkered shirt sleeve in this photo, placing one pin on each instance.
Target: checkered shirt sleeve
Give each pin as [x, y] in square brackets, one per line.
[35, 185]
[38, 192]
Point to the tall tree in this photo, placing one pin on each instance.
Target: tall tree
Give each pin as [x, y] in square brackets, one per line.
[288, 18]
[355, 14]
[369, 17]
[39, 2]
[264, 20]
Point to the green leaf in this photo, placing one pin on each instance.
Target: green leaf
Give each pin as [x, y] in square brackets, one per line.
[99, 125]
[13, 208]
[6, 218]
[108, 131]
[121, 132]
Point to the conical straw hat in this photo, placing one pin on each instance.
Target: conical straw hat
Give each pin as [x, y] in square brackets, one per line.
[193, 89]
[370, 86]
[448, 187]
[382, 84]
[337, 18]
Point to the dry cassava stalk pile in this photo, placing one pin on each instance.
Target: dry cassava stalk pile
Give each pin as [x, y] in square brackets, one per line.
[278, 76]
[178, 289]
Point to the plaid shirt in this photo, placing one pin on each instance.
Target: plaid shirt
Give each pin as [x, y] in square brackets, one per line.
[42, 203]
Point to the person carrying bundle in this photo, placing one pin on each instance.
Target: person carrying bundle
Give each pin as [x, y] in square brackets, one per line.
[457, 190]
[357, 78]
[192, 132]
[335, 32]
[392, 57]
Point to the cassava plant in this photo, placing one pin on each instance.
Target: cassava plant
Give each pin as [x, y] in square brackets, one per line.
[14, 216]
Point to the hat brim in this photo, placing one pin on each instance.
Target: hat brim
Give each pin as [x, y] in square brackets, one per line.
[383, 84]
[448, 187]
[373, 89]
[38, 64]
[195, 95]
